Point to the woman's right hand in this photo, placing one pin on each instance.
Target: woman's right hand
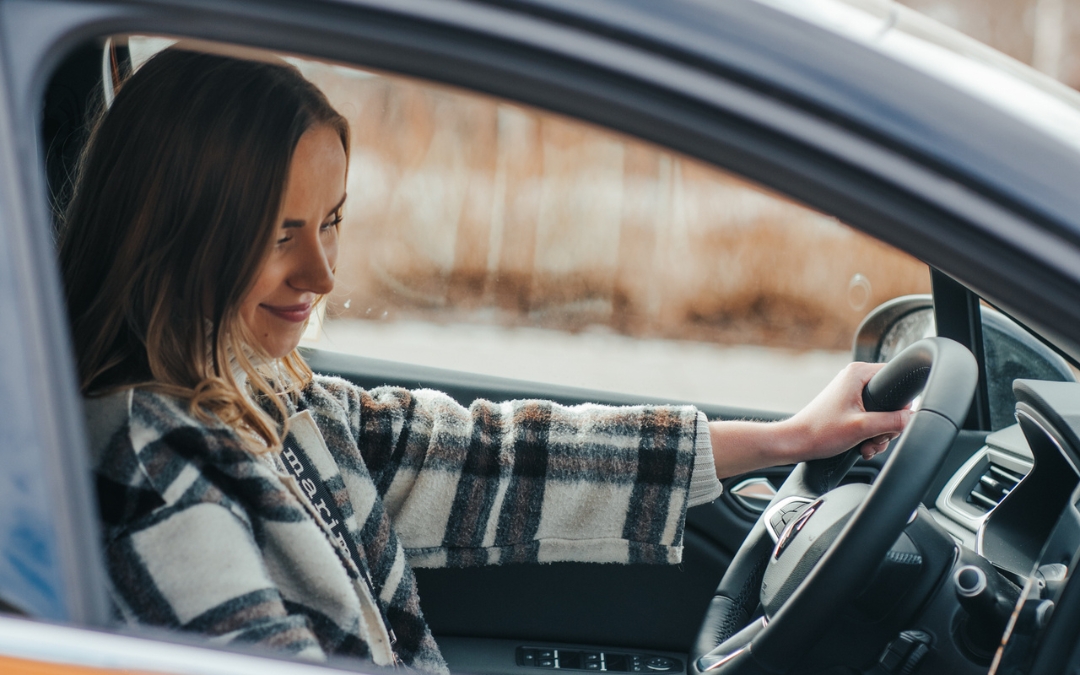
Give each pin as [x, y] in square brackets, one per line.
[834, 421]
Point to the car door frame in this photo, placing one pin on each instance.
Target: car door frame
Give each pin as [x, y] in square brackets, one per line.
[587, 63]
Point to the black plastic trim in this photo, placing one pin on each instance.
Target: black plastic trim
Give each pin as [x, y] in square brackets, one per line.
[958, 316]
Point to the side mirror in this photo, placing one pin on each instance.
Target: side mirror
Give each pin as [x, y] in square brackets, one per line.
[1011, 351]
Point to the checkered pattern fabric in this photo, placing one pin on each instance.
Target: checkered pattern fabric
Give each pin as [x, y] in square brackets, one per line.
[201, 535]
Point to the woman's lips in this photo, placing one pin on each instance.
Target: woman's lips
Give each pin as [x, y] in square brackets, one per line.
[293, 313]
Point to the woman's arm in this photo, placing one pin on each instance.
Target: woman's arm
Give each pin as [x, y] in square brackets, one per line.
[534, 480]
[520, 481]
[830, 424]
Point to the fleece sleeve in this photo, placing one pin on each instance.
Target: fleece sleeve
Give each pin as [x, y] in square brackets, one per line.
[527, 481]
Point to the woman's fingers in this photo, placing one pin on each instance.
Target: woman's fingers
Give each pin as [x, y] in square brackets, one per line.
[882, 428]
[836, 420]
[877, 424]
[875, 445]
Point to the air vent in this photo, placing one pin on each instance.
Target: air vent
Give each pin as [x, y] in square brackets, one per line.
[993, 486]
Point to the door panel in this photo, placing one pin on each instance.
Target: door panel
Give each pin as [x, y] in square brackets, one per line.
[652, 607]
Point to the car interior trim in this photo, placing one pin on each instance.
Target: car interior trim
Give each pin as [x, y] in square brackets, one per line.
[958, 316]
[1023, 414]
[950, 495]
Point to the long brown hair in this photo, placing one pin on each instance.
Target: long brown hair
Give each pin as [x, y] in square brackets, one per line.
[175, 208]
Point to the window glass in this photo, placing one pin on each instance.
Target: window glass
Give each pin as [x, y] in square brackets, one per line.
[1012, 352]
[485, 236]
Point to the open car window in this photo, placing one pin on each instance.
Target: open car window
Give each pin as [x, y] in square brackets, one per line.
[485, 236]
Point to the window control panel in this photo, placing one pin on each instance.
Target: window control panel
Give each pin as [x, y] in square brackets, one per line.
[573, 659]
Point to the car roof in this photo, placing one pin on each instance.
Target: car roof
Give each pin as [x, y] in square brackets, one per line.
[885, 71]
[951, 57]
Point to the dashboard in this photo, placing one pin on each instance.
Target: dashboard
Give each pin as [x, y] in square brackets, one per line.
[1015, 502]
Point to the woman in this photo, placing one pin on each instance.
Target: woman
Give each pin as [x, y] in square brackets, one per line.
[246, 499]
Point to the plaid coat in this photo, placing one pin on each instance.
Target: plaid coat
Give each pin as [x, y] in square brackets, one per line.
[201, 535]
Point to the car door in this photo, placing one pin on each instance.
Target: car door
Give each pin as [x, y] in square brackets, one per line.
[536, 57]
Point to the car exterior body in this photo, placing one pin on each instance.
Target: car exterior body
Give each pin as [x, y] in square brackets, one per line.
[916, 136]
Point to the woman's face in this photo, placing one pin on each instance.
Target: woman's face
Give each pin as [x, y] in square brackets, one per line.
[300, 265]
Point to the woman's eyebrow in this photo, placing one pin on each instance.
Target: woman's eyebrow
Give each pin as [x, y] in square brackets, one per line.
[295, 222]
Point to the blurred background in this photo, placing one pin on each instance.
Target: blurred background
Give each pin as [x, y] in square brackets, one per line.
[1044, 34]
[487, 236]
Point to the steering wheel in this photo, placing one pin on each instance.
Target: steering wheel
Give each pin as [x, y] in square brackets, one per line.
[800, 580]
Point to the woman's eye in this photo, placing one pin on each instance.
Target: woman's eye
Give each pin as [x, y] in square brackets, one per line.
[332, 223]
[284, 240]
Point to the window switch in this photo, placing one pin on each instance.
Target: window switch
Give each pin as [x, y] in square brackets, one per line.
[616, 662]
[526, 657]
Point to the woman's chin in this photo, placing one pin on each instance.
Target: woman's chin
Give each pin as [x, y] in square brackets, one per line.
[275, 338]
[280, 346]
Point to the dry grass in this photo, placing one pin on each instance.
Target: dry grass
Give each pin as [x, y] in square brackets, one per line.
[465, 208]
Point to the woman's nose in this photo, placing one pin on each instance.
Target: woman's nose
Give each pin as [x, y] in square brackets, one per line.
[315, 270]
